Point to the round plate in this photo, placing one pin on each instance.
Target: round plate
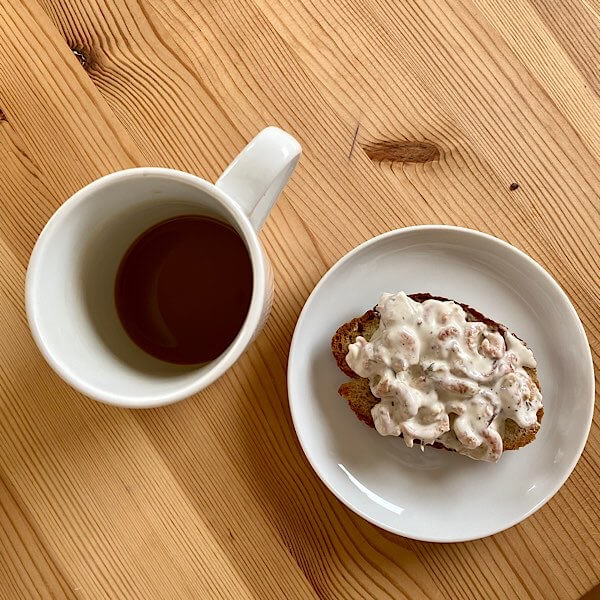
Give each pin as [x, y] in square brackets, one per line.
[436, 495]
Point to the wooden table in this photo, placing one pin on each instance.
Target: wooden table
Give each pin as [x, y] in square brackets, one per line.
[482, 113]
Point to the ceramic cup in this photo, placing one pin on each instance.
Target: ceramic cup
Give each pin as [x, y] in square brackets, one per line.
[69, 288]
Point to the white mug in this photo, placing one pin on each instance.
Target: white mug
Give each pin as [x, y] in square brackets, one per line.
[69, 291]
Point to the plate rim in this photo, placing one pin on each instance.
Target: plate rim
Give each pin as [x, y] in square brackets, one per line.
[522, 255]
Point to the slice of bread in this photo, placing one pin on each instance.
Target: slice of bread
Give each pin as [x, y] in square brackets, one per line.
[358, 393]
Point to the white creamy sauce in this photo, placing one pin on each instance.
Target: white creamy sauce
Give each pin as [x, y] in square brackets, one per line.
[442, 378]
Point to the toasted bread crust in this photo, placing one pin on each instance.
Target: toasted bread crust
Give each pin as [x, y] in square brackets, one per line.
[366, 326]
[358, 393]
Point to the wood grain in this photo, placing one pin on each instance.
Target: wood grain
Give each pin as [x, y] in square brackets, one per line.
[460, 99]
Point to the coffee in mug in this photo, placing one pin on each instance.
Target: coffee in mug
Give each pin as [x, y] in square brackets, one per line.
[148, 284]
[183, 289]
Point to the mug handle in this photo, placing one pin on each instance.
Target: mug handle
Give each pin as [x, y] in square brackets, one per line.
[259, 172]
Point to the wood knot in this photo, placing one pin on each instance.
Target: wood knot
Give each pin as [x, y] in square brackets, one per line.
[401, 151]
[513, 186]
[2, 115]
[83, 56]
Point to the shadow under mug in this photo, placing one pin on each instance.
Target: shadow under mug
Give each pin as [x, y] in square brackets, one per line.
[69, 291]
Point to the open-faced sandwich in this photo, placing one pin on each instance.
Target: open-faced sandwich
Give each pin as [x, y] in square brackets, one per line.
[437, 372]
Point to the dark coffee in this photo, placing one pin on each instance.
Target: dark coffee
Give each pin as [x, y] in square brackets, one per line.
[183, 289]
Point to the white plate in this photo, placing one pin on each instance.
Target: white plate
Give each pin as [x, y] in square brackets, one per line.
[436, 495]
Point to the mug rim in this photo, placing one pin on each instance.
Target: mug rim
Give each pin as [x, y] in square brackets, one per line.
[223, 362]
